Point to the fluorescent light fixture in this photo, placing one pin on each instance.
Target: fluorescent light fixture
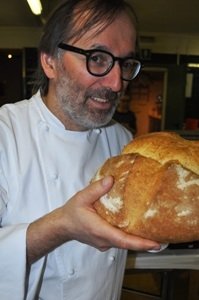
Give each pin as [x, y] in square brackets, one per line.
[35, 6]
[193, 65]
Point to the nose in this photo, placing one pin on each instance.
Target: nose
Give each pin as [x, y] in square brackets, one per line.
[113, 79]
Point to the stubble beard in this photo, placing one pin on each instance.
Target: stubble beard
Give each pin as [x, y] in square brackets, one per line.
[74, 102]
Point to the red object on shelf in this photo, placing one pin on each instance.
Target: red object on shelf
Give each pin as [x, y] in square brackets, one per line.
[192, 124]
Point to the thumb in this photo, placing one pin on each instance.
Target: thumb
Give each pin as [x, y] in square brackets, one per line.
[96, 190]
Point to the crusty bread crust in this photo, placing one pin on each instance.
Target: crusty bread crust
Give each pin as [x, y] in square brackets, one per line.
[156, 189]
[166, 146]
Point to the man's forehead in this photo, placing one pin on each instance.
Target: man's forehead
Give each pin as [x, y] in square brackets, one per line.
[86, 19]
[95, 29]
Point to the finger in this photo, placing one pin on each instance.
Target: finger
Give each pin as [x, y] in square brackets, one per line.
[95, 190]
[114, 237]
[132, 242]
[135, 243]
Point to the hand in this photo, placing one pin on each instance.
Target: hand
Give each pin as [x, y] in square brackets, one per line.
[86, 226]
[78, 220]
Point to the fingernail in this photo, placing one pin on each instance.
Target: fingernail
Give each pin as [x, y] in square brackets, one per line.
[159, 248]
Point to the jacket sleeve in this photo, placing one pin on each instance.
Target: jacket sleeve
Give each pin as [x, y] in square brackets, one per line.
[16, 282]
[13, 261]
[12, 249]
[12, 235]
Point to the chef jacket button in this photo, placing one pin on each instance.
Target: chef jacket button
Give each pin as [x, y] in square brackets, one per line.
[98, 130]
[55, 176]
[71, 272]
[47, 128]
[112, 258]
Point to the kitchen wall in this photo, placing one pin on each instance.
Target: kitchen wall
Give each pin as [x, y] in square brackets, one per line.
[20, 37]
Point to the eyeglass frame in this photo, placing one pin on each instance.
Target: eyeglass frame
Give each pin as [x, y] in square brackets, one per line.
[89, 52]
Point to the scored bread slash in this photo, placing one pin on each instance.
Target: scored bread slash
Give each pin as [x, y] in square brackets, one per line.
[156, 188]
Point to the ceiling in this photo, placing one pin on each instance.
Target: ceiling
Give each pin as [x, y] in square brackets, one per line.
[165, 16]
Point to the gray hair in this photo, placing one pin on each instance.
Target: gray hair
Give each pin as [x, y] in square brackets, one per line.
[70, 21]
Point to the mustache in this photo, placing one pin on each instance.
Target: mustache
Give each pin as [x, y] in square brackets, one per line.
[104, 93]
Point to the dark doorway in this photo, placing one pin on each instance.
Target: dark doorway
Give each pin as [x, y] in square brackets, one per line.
[11, 89]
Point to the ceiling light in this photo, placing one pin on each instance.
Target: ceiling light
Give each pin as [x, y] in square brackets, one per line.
[35, 6]
[193, 65]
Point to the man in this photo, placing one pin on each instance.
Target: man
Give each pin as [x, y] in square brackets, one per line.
[51, 146]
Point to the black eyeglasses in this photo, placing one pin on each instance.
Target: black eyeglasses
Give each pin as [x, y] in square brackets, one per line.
[100, 62]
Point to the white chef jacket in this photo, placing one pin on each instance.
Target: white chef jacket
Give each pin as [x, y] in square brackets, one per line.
[41, 166]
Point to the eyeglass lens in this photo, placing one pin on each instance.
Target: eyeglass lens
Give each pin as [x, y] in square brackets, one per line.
[100, 63]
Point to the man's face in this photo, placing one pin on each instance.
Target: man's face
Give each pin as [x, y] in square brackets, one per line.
[85, 101]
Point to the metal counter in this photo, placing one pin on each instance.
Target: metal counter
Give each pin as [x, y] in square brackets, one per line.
[166, 259]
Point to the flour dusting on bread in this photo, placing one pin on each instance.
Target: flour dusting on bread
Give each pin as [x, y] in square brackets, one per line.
[156, 188]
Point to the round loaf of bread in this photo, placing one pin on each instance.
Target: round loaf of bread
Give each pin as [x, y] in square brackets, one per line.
[156, 188]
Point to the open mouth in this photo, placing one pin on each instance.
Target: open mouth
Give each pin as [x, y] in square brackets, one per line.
[100, 103]
[101, 100]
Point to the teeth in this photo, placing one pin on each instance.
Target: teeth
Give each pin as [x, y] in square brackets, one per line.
[100, 100]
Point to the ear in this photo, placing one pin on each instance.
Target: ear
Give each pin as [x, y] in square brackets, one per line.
[48, 65]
